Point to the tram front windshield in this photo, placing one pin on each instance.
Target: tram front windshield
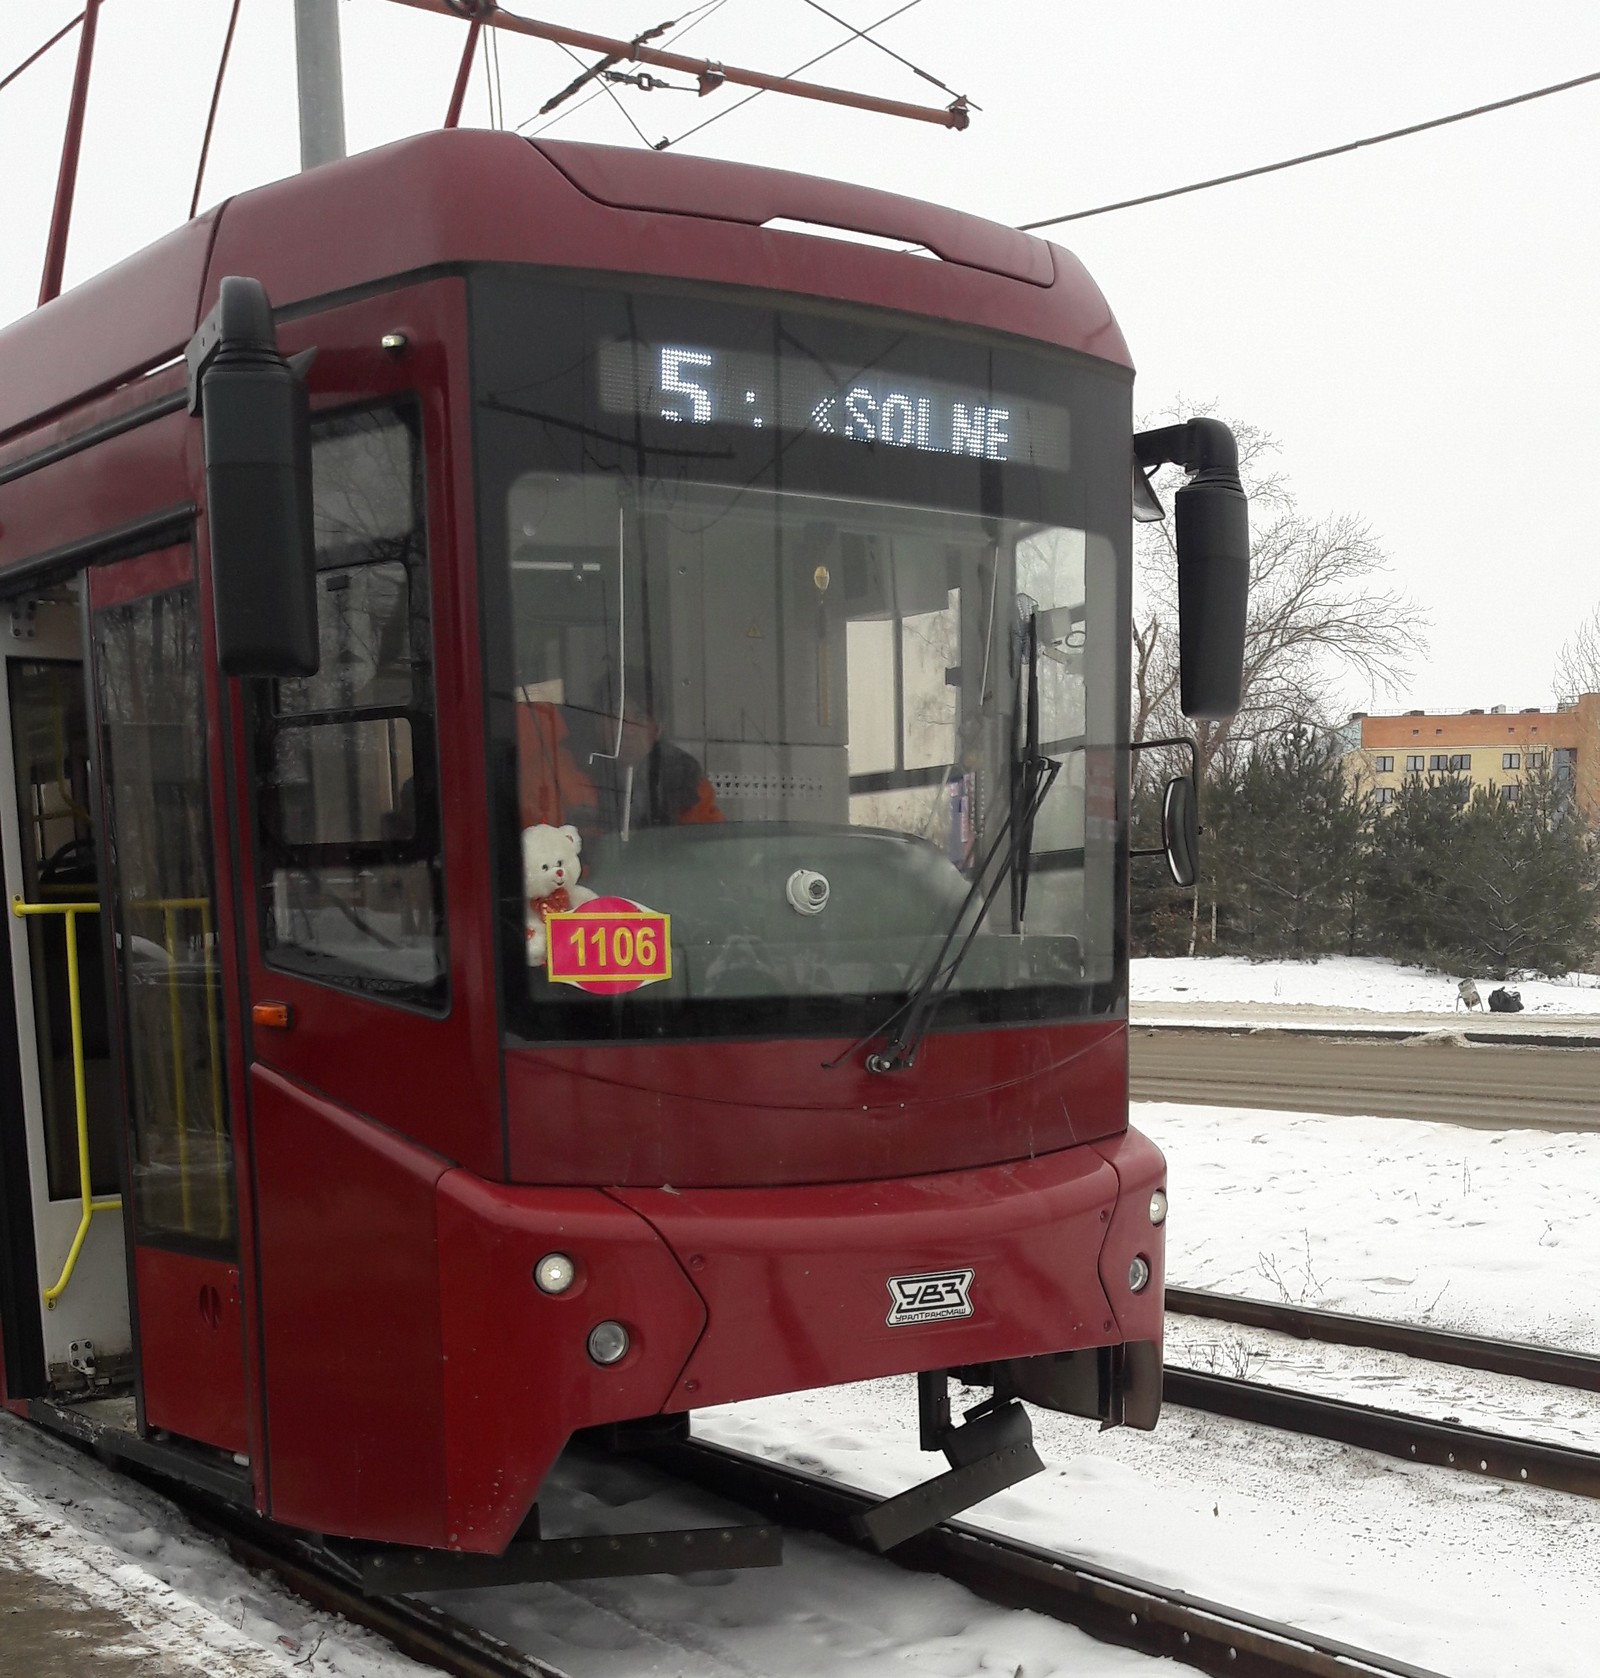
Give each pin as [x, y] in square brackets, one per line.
[779, 604]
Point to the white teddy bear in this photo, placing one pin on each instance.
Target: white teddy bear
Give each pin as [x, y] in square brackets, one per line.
[550, 870]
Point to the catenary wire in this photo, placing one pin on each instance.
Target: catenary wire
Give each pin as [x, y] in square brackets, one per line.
[611, 93]
[888, 17]
[39, 52]
[865, 35]
[691, 20]
[1315, 156]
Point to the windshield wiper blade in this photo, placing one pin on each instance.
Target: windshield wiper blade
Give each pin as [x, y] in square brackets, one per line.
[1033, 777]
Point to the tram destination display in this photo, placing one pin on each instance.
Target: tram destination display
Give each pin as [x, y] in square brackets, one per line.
[695, 384]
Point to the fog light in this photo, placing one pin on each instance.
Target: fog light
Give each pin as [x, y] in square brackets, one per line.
[1138, 1274]
[555, 1273]
[1158, 1207]
[608, 1342]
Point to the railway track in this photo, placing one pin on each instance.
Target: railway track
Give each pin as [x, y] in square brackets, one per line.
[1409, 1438]
[1112, 1607]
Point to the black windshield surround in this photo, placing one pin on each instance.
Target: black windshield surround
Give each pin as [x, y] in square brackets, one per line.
[545, 427]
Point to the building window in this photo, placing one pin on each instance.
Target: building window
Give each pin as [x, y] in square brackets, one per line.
[1415, 764]
[1440, 761]
[1511, 794]
[1438, 731]
[1386, 796]
[1383, 765]
[1511, 760]
[1536, 760]
[1461, 760]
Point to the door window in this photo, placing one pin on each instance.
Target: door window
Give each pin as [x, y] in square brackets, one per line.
[348, 806]
[147, 663]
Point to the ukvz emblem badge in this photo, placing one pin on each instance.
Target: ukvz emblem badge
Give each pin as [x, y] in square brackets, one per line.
[935, 1297]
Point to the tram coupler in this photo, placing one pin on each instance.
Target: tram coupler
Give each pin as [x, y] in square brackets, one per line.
[991, 1449]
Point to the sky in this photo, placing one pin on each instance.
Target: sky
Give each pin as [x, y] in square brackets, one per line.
[1414, 323]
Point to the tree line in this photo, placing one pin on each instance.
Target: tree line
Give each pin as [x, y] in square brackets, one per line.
[1297, 861]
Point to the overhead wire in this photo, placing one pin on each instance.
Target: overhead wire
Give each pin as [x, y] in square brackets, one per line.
[738, 105]
[1315, 156]
[611, 93]
[866, 35]
[692, 19]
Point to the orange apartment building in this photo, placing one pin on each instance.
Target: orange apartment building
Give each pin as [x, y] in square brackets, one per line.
[1493, 747]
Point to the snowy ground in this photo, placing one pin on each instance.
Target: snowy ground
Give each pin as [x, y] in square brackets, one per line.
[1359, 984]
[1489, 1232]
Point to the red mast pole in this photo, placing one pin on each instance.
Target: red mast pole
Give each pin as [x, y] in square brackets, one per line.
[459, 93]
[55, 255]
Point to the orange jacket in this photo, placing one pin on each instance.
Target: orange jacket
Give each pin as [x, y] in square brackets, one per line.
[555, 785]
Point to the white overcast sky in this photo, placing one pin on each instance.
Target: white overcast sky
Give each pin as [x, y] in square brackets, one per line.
[1419, 324]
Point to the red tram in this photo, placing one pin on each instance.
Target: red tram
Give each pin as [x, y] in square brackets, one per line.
[567, 828]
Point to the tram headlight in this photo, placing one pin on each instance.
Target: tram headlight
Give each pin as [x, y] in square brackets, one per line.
[608, 1342]
[1158, 1207]
[555, 1273]
[1139, 1274]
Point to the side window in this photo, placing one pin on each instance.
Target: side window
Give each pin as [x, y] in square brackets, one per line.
[346, 760]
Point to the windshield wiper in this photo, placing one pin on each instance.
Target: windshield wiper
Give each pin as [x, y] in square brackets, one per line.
[1033, 775]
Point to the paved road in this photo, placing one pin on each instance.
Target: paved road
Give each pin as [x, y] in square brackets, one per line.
[1487, 1085]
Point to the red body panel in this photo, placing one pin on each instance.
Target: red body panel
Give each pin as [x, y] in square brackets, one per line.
[191, 1352]
[135, 315]
[350, 1319]
[718, 1114]
[1140, 1168]
[66, 503]
[433, 1078]
[472, 196]
[796, 1280]
[517, 1376]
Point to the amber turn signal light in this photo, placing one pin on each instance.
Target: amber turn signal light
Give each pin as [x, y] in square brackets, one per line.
[275, 1014]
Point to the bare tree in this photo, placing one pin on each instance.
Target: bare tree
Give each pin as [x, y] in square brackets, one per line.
[1578, 662]
[1320, 608]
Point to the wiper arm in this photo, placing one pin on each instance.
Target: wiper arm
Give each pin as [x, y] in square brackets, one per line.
[920, 1007]
[1033, 777]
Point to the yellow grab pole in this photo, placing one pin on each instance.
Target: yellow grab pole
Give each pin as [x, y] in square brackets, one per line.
[69, 913]
[179, 1095]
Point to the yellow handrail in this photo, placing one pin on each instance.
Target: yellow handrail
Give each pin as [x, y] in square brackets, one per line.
[71, 911]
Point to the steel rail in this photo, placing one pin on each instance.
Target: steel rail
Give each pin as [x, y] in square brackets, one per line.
[1336, 1328]
[1497, 1456]
[416, 1629]
[1109, 1606]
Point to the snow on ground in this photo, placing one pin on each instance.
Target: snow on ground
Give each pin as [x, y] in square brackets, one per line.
[1362, 984]
[1484, 1231]
[1492, 1232]
[1481, 1231]
[188, 1607]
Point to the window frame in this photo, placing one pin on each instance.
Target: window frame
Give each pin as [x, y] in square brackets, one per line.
[267, 720]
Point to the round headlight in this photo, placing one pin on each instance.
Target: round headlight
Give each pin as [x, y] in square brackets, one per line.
[1139, 1274]
[1158, 1207]
[608, 1342]
[555, 1273]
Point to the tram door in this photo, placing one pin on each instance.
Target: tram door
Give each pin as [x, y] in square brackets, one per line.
[166, 992]
[54, 1091]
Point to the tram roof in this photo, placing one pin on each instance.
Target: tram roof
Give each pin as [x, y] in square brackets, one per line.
[469, 195]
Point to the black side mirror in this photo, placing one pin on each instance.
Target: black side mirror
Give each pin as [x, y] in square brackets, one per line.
[1213, 539]
[256, 418]
[1180, 830]
[1180, 816]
